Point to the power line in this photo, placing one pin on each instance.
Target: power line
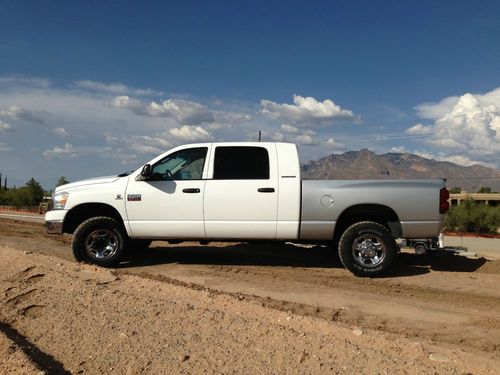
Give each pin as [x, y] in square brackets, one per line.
[473, 178]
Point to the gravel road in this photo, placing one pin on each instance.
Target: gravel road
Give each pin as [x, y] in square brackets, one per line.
[239, 308]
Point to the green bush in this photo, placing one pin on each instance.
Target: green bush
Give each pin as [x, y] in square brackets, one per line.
[29, 195]
[474, 217]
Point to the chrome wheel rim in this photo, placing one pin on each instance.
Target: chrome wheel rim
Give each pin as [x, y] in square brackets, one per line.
[101, 244]
[369, 250]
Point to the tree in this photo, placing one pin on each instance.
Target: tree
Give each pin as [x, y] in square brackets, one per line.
[35, 192]
[19, 197]
[485, 190]
[3, 197]
[455, 190]
[62, 181]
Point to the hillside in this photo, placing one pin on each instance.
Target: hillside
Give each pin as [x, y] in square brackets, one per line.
[365, 164]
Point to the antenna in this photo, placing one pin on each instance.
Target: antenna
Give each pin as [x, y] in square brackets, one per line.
[260, 135]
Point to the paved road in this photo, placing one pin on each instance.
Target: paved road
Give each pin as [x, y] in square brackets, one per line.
[23, 216]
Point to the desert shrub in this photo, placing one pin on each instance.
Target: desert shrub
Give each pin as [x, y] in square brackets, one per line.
[474, 217]
[29, 195]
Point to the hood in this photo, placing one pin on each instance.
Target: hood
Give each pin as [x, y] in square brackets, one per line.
[89, 181]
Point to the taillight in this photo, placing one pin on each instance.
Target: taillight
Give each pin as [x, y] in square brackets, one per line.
[444, 206]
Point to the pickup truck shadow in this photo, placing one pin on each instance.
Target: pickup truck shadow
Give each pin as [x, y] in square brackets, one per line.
[239, 254]
[436, 262]
[288, 255]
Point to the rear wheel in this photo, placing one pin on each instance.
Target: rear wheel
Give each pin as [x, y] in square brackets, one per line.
[367, 248]
[100, 240]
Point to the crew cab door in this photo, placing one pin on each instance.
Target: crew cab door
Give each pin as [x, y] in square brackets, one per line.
[241, 193]
[170, 203]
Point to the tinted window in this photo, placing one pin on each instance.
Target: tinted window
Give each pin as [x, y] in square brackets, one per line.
[181, 165]
[241, 163]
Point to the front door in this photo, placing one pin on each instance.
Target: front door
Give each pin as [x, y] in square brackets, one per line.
[170, 204]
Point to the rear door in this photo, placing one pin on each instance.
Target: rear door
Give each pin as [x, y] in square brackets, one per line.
[241, 192]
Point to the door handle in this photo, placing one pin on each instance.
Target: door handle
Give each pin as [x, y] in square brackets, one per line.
[265, 190]
[191, 190]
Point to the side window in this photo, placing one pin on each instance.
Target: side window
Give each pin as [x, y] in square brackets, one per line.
[241, 163]
[181, 165]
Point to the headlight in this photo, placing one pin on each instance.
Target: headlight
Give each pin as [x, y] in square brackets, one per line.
[60, 200]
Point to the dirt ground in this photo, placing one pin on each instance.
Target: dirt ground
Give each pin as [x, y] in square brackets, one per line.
[240, 308]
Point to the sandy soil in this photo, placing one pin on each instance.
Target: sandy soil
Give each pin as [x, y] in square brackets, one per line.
[239, 308]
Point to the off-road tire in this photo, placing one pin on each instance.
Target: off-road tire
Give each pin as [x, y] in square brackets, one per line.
[378, 243]
[106, 231]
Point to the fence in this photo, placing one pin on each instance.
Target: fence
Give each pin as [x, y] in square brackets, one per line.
[21, 209]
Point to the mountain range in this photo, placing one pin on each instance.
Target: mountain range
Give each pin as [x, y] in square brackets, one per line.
[365, 164]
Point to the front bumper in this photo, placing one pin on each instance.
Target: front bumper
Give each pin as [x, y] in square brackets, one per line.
[54, 221]
[54, 227]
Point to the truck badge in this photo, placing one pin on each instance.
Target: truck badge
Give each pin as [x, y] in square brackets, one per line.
[134, 197]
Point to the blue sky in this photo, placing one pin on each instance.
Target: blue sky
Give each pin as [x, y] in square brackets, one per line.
[91, 88]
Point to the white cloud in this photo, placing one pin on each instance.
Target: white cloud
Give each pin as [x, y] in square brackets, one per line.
[231, 117]
[15, 81]
[141, 144]
[332, 143]
[434, 111]
[5, 127]
[182, 111]
[19, 113]
[469, 130]
[105, 127]
[89, 153]
[68, 151]
[189, 133]
[398, 149]
[271, 136]
[112, 88]
[304, 139]
[4, 147]
[457, 159]
[126, 102]
[289, 129]
[61, 132]
[307, 111]
[419, 129]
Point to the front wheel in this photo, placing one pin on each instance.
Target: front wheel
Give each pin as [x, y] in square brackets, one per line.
[367, 249]
[100, 240]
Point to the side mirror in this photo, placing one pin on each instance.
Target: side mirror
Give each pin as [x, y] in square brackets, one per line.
[146, 171]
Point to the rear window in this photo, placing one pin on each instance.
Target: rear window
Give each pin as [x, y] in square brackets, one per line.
[241, 163]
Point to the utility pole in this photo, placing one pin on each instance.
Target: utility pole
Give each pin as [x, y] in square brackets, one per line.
[260, 135]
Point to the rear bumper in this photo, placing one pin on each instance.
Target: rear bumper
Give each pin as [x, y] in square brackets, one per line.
[54, 221]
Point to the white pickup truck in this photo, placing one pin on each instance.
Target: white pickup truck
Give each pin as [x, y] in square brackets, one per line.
[244, 191]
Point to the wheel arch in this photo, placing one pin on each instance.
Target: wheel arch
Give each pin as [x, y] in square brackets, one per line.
[84, 211]
[377, 213]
